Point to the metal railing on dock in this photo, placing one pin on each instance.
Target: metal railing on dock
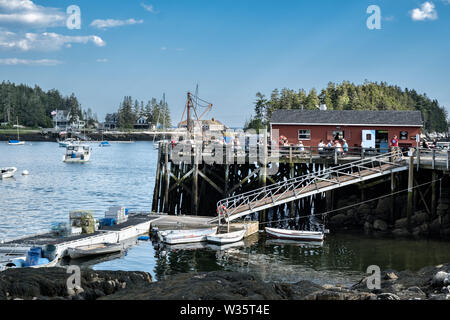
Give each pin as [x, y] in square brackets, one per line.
[317, 182]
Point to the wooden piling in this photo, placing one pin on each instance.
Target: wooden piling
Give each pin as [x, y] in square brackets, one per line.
[157, 179]
[410, 201]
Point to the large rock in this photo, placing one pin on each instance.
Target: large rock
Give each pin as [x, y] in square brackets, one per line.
[339, 220]
[51, 283]
[400, 232]
[383, 208]
[440, 279]
[420, 218]
[380, 225]
[401, 223]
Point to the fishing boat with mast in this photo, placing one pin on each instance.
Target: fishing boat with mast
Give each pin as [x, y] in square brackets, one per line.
[16, 142]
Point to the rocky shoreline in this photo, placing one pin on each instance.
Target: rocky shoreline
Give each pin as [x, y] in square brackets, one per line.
[375, 217]
[430, 283]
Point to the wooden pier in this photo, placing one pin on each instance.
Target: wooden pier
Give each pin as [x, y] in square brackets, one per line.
[196, 187]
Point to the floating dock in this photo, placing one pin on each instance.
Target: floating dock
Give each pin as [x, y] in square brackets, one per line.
[137, 224]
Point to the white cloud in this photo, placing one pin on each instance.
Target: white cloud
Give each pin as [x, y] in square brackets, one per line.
[26, 12]
[104, 60]
[47, 41]
[41, 62]
[427, 11]
[149, 8]
[111, 23]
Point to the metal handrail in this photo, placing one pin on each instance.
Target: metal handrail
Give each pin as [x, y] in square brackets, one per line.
[276, 191]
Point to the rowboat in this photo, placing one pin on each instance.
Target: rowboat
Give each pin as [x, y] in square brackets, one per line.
[295, 235]
[226, 238]
[7, 172]
[186, 236]
[94, 250]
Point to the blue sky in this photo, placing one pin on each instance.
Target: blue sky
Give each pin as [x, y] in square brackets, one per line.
[232, 49]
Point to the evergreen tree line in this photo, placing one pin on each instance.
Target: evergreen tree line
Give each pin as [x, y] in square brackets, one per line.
[157, 113]
[32, 107]
[348, 96]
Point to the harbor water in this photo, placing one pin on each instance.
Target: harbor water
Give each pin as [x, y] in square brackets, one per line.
[124, 174]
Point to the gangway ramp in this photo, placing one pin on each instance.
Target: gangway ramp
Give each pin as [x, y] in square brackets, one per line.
[328, 179]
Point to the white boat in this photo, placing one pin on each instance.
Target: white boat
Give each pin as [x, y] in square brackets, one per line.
[77, 153]
[104, 144]
[295, 235]
[94, 250]
[6, 173]
[226, 238]
[66, 143]
[20, 263]
[16, 143]
[186, 236]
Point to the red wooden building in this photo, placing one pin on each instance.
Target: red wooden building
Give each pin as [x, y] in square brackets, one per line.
[370, 129]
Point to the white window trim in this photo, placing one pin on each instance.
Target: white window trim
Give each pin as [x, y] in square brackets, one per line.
[304, 139]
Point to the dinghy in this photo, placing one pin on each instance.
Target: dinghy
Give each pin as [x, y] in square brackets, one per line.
[295, 235]
[226, 238]
[94, 250]
[7, 173]
[186, 236]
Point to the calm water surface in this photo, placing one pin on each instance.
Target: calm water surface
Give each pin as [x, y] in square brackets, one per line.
[124, 175]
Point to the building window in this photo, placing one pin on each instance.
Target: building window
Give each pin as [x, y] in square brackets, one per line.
[404, 135]
[304, 134]
[338, 135]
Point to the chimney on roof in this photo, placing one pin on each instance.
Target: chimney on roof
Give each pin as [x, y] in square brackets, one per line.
[323, 107]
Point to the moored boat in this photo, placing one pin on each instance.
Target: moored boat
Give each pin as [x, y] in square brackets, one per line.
[77, 153]
[94, 250]
[295, 235]
[226, 238]
[6, 173]
[105, 144]
[16, 143]
[186, 236]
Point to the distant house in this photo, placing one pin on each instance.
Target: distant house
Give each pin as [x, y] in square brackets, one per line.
[370, 129]
[111, 121]
[205, 125]
[142, 123]
[61, 119]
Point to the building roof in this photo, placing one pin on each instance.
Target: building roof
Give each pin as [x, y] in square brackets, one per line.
[347, 117]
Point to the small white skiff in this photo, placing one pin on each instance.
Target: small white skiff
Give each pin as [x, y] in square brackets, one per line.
[226, 238]
[295, 235]
[6, 173]
[186, 236]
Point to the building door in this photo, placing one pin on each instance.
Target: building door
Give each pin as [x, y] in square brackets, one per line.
[368, 139]
[382, 140]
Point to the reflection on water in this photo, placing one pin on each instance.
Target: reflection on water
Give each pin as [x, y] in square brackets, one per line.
[341, 259]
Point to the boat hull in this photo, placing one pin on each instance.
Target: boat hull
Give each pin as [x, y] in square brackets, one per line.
[186, 236]
[6, 173]
[295, 235]
[226, 238]
[78, 253]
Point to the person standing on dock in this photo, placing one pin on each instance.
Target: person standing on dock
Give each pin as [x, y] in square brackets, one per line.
[345, 146]
[396, 149]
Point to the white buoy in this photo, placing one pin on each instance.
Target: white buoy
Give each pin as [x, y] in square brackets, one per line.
[25, 172]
